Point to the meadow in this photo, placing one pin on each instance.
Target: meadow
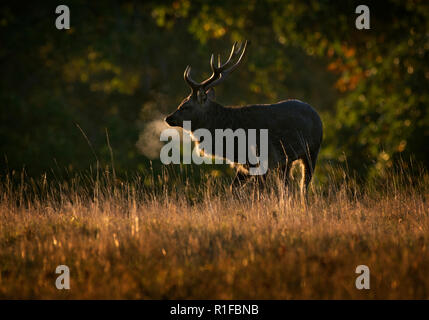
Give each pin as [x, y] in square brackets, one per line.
[166, 237]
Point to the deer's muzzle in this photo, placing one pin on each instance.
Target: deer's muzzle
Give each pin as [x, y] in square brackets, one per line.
[170, 120]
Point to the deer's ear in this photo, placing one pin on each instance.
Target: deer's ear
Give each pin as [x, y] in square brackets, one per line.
[211, 94]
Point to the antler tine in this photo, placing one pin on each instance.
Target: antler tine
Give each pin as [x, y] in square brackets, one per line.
[186, 75]
[233, 52]
[239, 59]
[239, 48]
[212, 66]
[223, 73]
[219, 72]
[220, 66]
[215, 70]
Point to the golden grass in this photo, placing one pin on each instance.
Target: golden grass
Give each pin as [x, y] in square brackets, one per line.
[189, 241]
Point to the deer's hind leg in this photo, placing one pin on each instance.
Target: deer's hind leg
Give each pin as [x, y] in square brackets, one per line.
[309, 164]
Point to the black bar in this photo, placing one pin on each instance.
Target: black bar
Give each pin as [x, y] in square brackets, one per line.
[213, 309]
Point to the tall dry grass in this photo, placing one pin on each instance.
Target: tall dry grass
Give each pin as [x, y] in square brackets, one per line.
[166, 237]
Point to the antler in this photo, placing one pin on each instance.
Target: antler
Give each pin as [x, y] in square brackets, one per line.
[220, 72]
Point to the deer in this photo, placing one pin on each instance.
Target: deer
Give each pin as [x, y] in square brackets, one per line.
[295, 129]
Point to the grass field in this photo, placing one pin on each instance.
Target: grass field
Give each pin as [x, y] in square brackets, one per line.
[186, 240]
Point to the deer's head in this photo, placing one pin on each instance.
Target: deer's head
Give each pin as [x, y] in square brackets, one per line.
[202, 96]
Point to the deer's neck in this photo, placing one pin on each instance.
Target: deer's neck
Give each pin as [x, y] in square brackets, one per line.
[219, 117]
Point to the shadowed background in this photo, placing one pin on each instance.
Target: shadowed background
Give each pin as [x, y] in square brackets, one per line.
[85, 106]
[70, 97]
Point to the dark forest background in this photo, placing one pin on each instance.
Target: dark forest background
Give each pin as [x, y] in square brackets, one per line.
[71, 98]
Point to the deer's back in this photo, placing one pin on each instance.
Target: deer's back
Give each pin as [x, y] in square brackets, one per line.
[292, 125]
